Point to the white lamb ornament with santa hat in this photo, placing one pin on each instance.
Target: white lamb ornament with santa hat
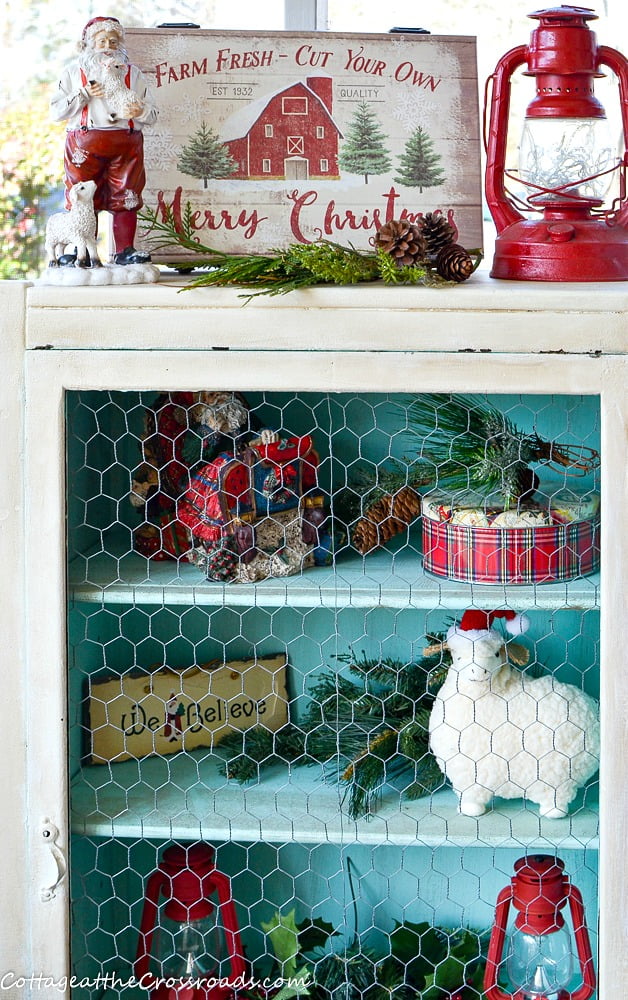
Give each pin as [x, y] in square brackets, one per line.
[496, 732]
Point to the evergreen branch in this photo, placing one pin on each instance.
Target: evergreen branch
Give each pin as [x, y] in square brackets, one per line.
[469, 445]
[380, 669]
[381, 747]
[414, 681]
[331, 263]
[374, 727]
[331, 694]
[163, 233]
[392, 274]
[429, 778]
[326, 743]
[300, 265]
[370, 485]
[253, 750]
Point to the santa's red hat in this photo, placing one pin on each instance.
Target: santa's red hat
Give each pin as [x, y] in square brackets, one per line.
[101, 24]
[476, 624]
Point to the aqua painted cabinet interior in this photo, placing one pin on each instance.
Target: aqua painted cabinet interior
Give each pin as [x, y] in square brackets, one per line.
[286, 840]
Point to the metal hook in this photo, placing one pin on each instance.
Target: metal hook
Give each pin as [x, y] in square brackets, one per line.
[50, 834]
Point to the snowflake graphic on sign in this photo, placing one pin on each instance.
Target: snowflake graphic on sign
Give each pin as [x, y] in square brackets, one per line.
[410, 110]
[161, 148]
[191, 111]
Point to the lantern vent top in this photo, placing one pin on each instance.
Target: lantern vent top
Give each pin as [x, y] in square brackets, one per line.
[572, 16]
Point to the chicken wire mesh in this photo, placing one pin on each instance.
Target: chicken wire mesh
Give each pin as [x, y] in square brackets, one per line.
[349, 862]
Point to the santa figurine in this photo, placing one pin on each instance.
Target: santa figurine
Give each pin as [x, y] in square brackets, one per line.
[182, 431]
[217, 489]
[106, 103]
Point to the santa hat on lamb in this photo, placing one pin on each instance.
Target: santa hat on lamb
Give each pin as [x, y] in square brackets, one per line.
[476, 624]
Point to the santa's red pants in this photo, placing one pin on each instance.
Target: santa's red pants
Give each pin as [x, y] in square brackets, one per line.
[114, 159]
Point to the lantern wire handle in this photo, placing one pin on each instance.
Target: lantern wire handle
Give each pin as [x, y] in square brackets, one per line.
[617, 64]
[496, 946]
[488, 85]
[153, 889]
[230, 923]
[583, 945]
[562, 190]
[503, 212]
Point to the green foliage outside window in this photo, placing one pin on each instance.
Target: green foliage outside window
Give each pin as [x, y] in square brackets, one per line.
[31, 181]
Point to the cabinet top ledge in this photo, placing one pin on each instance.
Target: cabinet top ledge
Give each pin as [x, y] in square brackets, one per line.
[480, 293]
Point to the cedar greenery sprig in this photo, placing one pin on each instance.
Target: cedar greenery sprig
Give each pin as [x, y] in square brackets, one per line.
[300, 265]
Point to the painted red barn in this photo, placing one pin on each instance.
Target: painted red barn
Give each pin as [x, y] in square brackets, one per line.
[287, 135]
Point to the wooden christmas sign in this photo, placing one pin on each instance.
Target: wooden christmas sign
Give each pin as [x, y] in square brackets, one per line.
[265, 140]
[164, 711]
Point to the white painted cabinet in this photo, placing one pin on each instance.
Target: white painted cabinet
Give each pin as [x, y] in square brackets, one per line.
[78, 366]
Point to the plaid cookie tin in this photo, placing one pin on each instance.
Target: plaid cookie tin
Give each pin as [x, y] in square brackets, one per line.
[553, 539]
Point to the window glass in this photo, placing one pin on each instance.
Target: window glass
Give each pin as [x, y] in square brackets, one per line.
[247, 14]
[498, 26]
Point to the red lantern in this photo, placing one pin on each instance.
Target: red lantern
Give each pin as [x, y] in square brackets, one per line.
[567, 159]
[189, 946]
[540, 960]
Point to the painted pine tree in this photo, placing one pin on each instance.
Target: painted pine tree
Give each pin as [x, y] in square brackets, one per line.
[205, 156]
[364, 151]
[419, 162]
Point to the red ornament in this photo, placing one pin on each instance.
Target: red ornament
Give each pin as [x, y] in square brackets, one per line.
[567, 159]
[540, 962]
[189, 946]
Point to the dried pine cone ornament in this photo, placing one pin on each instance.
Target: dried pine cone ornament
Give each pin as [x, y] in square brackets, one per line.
[403, 240]
[438, 232]
[389, 516]
[453, 263]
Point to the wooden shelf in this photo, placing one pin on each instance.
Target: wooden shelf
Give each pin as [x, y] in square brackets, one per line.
[184, 796]
[385, 578]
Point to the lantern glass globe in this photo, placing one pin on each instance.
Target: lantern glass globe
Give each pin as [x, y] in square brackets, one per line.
[540, 965]
[194, 949]
[566, 154]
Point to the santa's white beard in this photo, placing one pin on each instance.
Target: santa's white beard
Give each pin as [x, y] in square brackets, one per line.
[91, 61]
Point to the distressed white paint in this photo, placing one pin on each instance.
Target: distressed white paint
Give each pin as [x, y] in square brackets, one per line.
[15, 872]
[481, 315]
[358, 339]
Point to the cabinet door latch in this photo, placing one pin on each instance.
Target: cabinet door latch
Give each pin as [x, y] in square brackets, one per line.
[50, 834]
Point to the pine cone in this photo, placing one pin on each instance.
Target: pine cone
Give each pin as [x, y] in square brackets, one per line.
[403, 241]
[454, 263]
[437, 232]
[386, 518]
